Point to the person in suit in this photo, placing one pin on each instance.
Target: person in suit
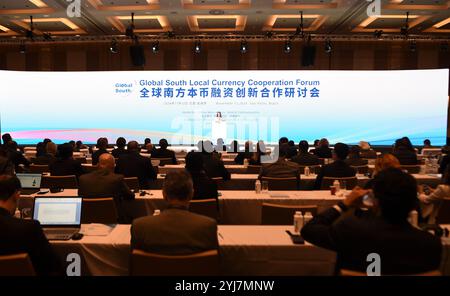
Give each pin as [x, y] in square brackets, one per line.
[176, 231]
[6, 138]
[214, 167]
[403, 248]
[24, 236]
[103, 182]
[323, 150]
[49, 156]
[65, 165]
[339, 168]
[133, 164]
[281, 168]
[163, 152]
[15, 156]
[292, 152]
[445, 160]
[220, 145]
[6, 166]
[102, 145]
[120, 143]
[204, 186]
[247, 154]
[305, 158]
[79, 145]
[354, 159]
[255, 158]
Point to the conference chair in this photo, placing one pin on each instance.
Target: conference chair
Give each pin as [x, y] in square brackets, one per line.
[443, 212]
[38, 168]
[412, 169]
[59, 182]
[252, 169]
[275, 214]
[348, 272]
[99, 210]
[16, 265]
[150, 264]
[313, 169]
[163, 161]
[132, 183]
[361, 169]
[205, 207]
[292, 183]
[350, 182]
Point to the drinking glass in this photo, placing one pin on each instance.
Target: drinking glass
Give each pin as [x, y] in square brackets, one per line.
[264, 186]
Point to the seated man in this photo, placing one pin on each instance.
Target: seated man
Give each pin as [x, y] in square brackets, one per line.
[163, 152]
[49, 156]
[354, 158]
[305, 158]
[323, 150]
[339, 168]
[281, 168]
[214, 167]
[133, 164]
[120, 143]
[104, 183]
[65, 165]
[102, 146]
[15, 156]
[402, 248]
[176, 231]
[204, 186]
[23, 236]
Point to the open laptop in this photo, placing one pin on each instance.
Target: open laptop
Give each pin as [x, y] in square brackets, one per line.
[60, 217]
[31, 183]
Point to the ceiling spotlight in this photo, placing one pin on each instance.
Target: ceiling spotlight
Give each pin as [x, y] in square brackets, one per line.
[328, 46]
[269, 34]
[155, 47]
[244, 46]
[197, 47]
[287, 46]
[413, 46]
[404, 29]
[22, 48]
[378, 34]
[114, 48]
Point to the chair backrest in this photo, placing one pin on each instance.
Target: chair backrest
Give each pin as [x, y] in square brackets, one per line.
[205, 207]
[313, 169]
[253, 169]
[361, 169]
[59, 182]
[350, 182]
[133, 183]
[162, 161]
[275, 214]
[443, 212]
[412, 169]
[199, 264]
[291, 183]
[39, 169]
[99, 210]
[348, 272]
[16, 265]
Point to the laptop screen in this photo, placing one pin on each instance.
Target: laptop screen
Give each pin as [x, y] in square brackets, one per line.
[28, 181]
[57, 211]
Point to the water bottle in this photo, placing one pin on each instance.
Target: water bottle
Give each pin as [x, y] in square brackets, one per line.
[307, 217]
[258, 186]
[413, 218]
[337, 185]
[156, 212]
[298, 221]
[307, 172]
[246, 162]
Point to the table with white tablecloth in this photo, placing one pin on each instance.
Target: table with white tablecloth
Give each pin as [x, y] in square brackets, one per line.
[244, 250]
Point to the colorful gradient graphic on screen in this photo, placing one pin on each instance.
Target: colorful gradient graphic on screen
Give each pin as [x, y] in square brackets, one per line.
[186, 106]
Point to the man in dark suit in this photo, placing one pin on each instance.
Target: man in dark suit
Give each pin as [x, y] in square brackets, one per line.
[403, 249]
[15, 156]
[104, 183]
[204, 186]
[133, 164]
[120, 143]
[354, 159]
[247, 154]
[49, 156]
[163, 152]
[323, 150]
[23, 236]
[405, 155]
[339, 168]
[6, 166]
[176, 231]
[305, 158]
[281, 168]
[65, 165]
[214, 167]
[102, 146]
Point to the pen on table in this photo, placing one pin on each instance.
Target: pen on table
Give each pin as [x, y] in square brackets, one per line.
[220, 235]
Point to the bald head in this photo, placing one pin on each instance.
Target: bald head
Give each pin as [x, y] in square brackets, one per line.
[133, 146]
[106, 161]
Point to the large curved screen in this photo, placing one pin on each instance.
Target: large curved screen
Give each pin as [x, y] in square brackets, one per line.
[186, 106]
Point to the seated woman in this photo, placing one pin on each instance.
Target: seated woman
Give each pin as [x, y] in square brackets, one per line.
[386, 161]
[204, 186]
[431, 198]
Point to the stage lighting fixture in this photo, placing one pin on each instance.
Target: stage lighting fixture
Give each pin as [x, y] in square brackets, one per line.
[155, 47]
[328, 46]
[114, 48]
[288, 46]
[197, 47]
[404, 29]
[244, 46]
[129, 32]
[29, 33]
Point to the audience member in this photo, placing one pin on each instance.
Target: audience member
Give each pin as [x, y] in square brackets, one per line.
[6, 138]
[404, 152]
[304, 158]
[49, 156]
[6, 166]
[163, 152]
[246, 154]
[281, 168]
[120, 143]
[102, 145]
[366, 151]
[212, 164]
[204, 186]
[354, 158]
[323, 150]
[65, 165]
[16, 156]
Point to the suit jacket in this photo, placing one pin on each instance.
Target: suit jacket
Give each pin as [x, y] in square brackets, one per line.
[96, 155]
[239, 159]
[204, 186]
[175, 231]
[118, 152]
[305, 159]
[65, 167]
[166, 153]
[214, 167]
[26, 236]
[337, 169]
[406, 157]
[368, 154]
[403, 249]
[323, 152]
[134, 165]
[17, 158]
[45, 159]
[280, 169]
[6, 166]
[356, 161]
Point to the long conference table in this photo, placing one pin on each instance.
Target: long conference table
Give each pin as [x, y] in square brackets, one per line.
[244, 251]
